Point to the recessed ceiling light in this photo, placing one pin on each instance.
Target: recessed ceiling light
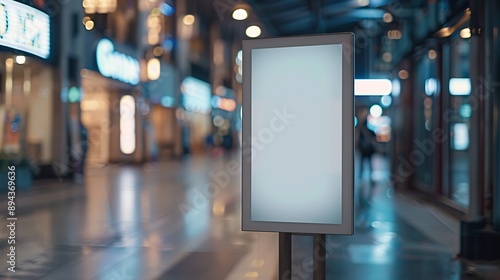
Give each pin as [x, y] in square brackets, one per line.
[253, 31]
[240, 14]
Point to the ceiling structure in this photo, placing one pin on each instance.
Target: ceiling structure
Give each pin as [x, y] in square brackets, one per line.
[296, 17]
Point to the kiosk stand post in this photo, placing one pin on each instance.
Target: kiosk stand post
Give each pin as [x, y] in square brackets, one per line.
[319, 256]
[285, 256]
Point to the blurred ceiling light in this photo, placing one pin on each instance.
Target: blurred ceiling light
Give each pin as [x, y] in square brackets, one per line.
[364, 2]
[386, 100]
[153, 39]
[432, 54]
[85, 19]
[239, 57]
[396, 87]
[253, 31]
[448, 31]
[168, 44]
[372, 87]
[225, 104]
[153, 21]
[394, 34]
[220, 90]
[154, 69]
[158, 51]
[445, 32]
[387, 18]
[465, 33]
[156, 12]
[166, 9]
[89, 25]
[403, 74]
[188, 19]
[376, 111]
[240, 14]
[218, 121]
[387, 57]
[431, 86]
[20, 59]
[99, 6]
[460, 86]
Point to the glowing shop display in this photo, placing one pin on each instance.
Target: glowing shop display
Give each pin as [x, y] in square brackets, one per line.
[197, 95]
[372, 87]
[127, 124]
[460, 136]
[116, 65]
[460, 86]
[291, 184]
[24, 28]
[154, 69]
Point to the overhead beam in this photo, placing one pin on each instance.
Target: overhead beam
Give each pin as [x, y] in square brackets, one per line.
[340, 8]
[355, 16]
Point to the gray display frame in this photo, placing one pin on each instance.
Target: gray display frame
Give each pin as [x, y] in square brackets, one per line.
[347, 225]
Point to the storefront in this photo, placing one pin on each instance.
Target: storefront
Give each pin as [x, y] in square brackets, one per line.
[196, 121]
[163, 94]
[226, 118]
[436, 101]
[28, 93]
[112, 106]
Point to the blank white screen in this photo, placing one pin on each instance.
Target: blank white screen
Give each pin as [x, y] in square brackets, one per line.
[297, 160]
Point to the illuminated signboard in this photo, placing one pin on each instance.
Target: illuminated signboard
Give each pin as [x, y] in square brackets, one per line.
[116, 65]
[127, 124]
[197, 95]
[298, 134]
[460, 86]
[24, 28]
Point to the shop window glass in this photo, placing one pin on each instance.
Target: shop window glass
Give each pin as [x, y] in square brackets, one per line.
[26, 112]
[458, 120]
[426, 87]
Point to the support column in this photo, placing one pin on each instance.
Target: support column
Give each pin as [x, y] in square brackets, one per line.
[319, 256]
[474, 220]
[477, 236]
[494, 9]
[285, 256]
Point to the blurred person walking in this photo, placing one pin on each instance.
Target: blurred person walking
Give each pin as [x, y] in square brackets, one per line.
[366, 146]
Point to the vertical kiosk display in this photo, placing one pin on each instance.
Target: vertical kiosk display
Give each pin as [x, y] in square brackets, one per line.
[298, 134]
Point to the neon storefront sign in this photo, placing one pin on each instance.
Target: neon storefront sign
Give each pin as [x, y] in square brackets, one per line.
[24, 28]
[116, 65]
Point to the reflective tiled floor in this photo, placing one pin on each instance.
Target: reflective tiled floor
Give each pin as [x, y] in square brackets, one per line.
[180, 220]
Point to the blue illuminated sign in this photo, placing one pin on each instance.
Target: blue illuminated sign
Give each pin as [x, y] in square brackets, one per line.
[24, 28]
[197, 95]
[116, 65]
